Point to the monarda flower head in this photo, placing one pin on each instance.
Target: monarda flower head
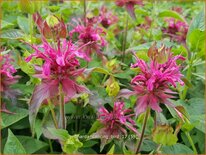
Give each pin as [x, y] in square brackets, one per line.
[90, 35]
[129, 5]
[60, 68]
[176, 30]
[153, 82]
[7, 79]
[116, 121]
[106, 17]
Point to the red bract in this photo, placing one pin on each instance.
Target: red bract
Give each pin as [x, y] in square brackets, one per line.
[116, 120]
[177, 30]
[91, 37]
[7, 79]
[152, 83]
[106, 17]
[129, 5]
[60, 67]
[56, 31]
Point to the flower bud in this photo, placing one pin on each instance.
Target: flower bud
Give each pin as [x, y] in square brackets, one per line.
[112, 87]
[52, 21]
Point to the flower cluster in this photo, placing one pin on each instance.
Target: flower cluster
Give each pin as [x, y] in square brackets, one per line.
[177, 30]
[106, 17]
[115, 121]
[60, 67]
[153, 82]
[7, 79]
[90, 37]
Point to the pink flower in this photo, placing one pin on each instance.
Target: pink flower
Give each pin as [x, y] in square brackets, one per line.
[7, 79]
[115, 121]
[92, 37]
[153, 82]
[60, 66]
[177, 30]
[106, 17]
[129, 5]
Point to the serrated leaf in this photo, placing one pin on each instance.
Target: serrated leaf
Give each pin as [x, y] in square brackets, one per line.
[173, 14]
[13, 146]
[12, 34]
[5, 24]
[198, 22]
[23, 23]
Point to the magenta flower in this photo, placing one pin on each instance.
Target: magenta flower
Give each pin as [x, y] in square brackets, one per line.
[177, 30]
[91, 37]
[7, 79]
[60, 66]
[106, 17]
[129, 5]
[152, 83]
[115, 121]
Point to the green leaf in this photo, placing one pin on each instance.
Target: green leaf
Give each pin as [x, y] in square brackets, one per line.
[5, 24]
[200, 75]
[146, 46]
[177, 149]
[111, 151]
[23, 23]
[60, 134]
[89, 143]
[141, 47]
[148, 145]
[26, 6]
[95, 126]
[198, 22]
[38, 128]
[30, 144]
[196, 110]
[87, 72]
[173, 14]
[9, 119]
[13, 146]
[70, 108]
[196, 40]
[12, 34]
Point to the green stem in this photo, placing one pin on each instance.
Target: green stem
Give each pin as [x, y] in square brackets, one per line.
[30, 26]
[143, 130]
[53, 113]
[188, 76]
[50, 146]
[77, 119]
[62, 109]
[124, 42]
[104, 79]
[85, 13]
[191, 142]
